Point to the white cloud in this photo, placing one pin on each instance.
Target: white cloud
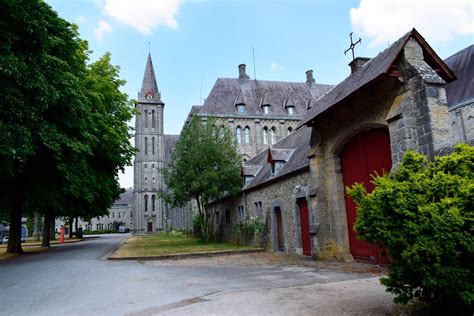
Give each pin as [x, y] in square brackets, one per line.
[437, 20]
[276, 66]
[143, 15]
[102, 28]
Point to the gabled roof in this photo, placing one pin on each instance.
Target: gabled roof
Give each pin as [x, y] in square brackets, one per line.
[372, 70]
[228, 92]
[461, 91]
[149, 85]
[169, 142]
[294, 147]
[249, 170]
[126, 197]
[279, 154]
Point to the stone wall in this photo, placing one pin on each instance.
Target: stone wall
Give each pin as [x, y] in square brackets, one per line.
[282, 194]
[462, 123]
[256, 125]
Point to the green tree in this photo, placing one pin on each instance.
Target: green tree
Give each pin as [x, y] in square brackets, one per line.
[204, 167]
[63, 130]
[423, 213]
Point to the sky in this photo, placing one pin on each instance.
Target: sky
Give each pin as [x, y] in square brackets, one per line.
[194, 42]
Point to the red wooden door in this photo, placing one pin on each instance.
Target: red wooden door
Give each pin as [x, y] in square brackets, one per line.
[365, 155]
[304, 221]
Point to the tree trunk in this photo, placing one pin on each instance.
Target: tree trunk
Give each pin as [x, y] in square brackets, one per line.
[52, 227]
[76, 224]
[37, 227]
[45, 242]
[14, 236]
[71, 221]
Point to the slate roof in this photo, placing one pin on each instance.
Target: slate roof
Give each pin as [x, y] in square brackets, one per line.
[294, 147]
[227, 92]
[149, 85]
[169, 142]
[126, 197]
[461, 91]
[372, 70]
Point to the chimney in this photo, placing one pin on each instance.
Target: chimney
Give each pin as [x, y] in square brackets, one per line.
[309, 77]
[357, 63]
[242, 73]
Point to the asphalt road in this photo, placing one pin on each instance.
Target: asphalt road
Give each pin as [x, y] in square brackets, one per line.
[77, 279]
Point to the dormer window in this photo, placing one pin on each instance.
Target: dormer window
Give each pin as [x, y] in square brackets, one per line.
[247, 180]
[266, 109]
[290, 110]
[241, 108]
[276, 166]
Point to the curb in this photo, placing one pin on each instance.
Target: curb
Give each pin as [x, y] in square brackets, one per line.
[191, 255]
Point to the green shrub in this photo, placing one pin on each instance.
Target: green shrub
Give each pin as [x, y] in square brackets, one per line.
[99, 232]
[176, 233]
[423, 214]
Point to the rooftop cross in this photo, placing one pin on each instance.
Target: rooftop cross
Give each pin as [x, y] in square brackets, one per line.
[352, 46]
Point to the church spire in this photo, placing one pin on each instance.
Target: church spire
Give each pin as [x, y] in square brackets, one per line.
[149, 92]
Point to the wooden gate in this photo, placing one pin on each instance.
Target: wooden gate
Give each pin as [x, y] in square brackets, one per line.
[366, 154]
[304, 222]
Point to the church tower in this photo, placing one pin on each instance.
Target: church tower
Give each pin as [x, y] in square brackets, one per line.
[148, 207]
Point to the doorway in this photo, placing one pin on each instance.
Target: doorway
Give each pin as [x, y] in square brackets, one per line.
[304, 225]
[150, 227]
[279, 230]
[367, 154]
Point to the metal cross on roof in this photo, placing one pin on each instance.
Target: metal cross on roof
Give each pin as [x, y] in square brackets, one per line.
[352, 46]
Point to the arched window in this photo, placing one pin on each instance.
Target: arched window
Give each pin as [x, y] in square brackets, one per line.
[153, 145]
[146, 145]
[153, 198]
[238, 134]
[290, 130]
[247, 135]
[146, 118]
[265, 135]
[273, 135]
[153, 121]
[221, 131]
[145, 197]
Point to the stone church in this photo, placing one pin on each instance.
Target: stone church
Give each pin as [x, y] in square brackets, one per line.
[406, 97]
[150, 212]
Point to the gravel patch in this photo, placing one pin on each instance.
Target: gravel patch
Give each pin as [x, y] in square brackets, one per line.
[266, 259]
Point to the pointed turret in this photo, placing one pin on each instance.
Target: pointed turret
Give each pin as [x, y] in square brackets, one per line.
[149, 92]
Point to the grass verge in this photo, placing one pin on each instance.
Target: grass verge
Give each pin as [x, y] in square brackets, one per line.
[166, 245]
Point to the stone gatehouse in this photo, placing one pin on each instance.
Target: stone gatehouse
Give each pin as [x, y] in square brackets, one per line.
[391, 103]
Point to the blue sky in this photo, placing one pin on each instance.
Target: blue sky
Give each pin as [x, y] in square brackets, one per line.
[198, 41]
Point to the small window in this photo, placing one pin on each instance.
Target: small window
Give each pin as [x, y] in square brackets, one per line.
[238, 134]
[290, 130]
[146, 145]
[153, 121]
[247, 135]
[153, 145]
[241, 108]
[290, 110]
[266, 109]
[146, 118]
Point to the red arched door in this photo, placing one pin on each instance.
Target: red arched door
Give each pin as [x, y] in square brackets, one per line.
[366, 154]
